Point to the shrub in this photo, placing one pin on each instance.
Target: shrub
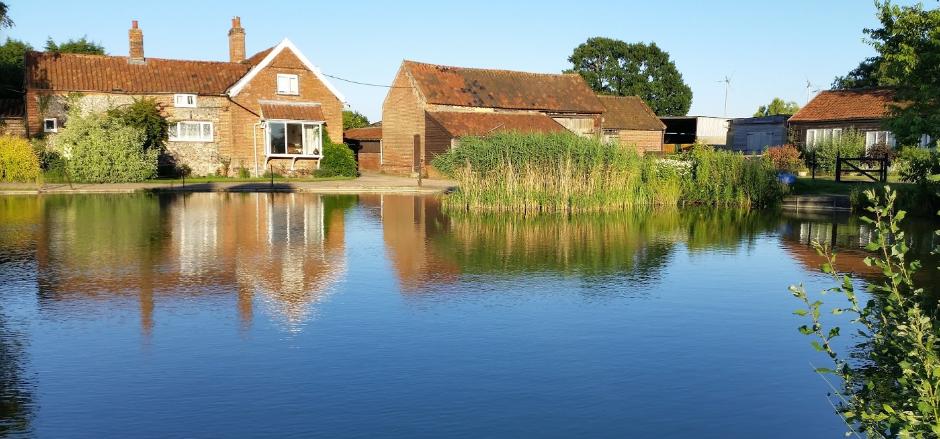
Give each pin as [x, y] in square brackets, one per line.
[916, 165]
[728, 178]
[338, 160]
[18, 161]
[146, 115]
[102, 149]
[880, 151]
[243, 172]
[850, 144]
[784, 158]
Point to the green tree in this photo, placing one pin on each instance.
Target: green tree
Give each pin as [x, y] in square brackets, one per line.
[147, 115]
[777, 106]
[12, 53]
[613, 67]
[5, 20]
[80, 45]
[865, 75]
[354, 119]
[909, 46]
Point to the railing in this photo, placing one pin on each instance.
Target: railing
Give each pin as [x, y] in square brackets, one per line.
[863, 165]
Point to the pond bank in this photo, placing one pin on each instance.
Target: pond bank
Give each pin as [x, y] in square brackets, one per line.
[368, 183]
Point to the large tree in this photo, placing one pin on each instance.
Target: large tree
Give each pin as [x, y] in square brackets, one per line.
[11, 67]
[614, 67]
[80, 45]
[5, 20]
[865, 75]
[908, 45]
[777, 106]
[354, 119]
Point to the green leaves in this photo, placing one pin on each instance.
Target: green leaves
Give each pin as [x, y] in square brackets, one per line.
[614, 67]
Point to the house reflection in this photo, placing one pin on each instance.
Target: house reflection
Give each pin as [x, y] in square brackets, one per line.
[283, 251]
[410, 224]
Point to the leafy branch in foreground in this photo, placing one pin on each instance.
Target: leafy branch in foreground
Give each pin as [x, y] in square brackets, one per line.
[891, 388]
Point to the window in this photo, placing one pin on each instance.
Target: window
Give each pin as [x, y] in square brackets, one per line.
[184, 101]
[287, 85]
[816, 135]
[877, 138]
[926, 141]
[50, 125]
[189, 131]
[294, 138]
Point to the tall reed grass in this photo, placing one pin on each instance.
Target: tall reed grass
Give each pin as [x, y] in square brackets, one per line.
[543, 173]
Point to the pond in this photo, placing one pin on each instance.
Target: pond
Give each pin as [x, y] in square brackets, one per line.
[301, 315]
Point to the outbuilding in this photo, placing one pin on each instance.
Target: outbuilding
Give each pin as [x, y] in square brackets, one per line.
[753, 135]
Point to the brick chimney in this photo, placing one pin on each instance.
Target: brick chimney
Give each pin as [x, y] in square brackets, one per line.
[136, 38]
[236, 41]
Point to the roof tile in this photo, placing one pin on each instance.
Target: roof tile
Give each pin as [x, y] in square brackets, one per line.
[629, 113]
[460, 124]
[308, 111]
[846, 105]
[460, 86]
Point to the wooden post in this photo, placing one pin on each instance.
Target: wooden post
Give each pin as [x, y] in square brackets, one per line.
[813, 165]
[838, 167]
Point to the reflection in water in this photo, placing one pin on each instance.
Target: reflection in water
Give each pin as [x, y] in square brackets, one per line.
[287, 250]
[258, 258]
[18, 217]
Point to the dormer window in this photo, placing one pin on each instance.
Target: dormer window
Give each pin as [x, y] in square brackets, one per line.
[287, 85]
[184, 101]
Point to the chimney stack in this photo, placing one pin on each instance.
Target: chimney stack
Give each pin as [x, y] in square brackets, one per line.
[236, 41]
[136, 38]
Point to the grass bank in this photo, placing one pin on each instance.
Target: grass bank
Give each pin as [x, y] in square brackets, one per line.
[544, 173]
[916, 199]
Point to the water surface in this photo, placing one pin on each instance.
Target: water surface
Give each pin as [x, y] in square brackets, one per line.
[291, 315]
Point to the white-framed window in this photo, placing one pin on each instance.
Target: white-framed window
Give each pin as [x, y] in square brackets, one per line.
[926, 141]
[879, 137]
[50, 125]
[294, 138]
[184, 101]
[191, 131]
[816, 135]
[287, 84]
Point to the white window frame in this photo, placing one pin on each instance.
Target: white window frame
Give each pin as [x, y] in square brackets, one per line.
[200, 139]
[926, 141]
[816, 135]
[55, 125]
[184, 100]
[871, 138]
[303, 132]
[292, 84]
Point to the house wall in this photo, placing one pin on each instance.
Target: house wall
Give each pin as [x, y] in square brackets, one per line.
[438, 140]
[403, 117]
[14, 126]
[643, 141]
[772, 134]
[712, 130]
[246, 113]
[797, 131]
[203, 158]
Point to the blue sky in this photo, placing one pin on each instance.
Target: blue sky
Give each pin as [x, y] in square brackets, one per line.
[770, 48]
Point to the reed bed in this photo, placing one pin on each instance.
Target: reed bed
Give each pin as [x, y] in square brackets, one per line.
[553, 173]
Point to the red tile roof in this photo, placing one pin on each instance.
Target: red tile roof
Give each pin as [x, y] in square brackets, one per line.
[846, 105]
[101, 73]
[364, 133]
[460, 86]
[629, 113]
[460, 124]
[308, 111]
[12, 107]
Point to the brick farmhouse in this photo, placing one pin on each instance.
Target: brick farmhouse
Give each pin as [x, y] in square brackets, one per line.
[268, 110]
[429, 106]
